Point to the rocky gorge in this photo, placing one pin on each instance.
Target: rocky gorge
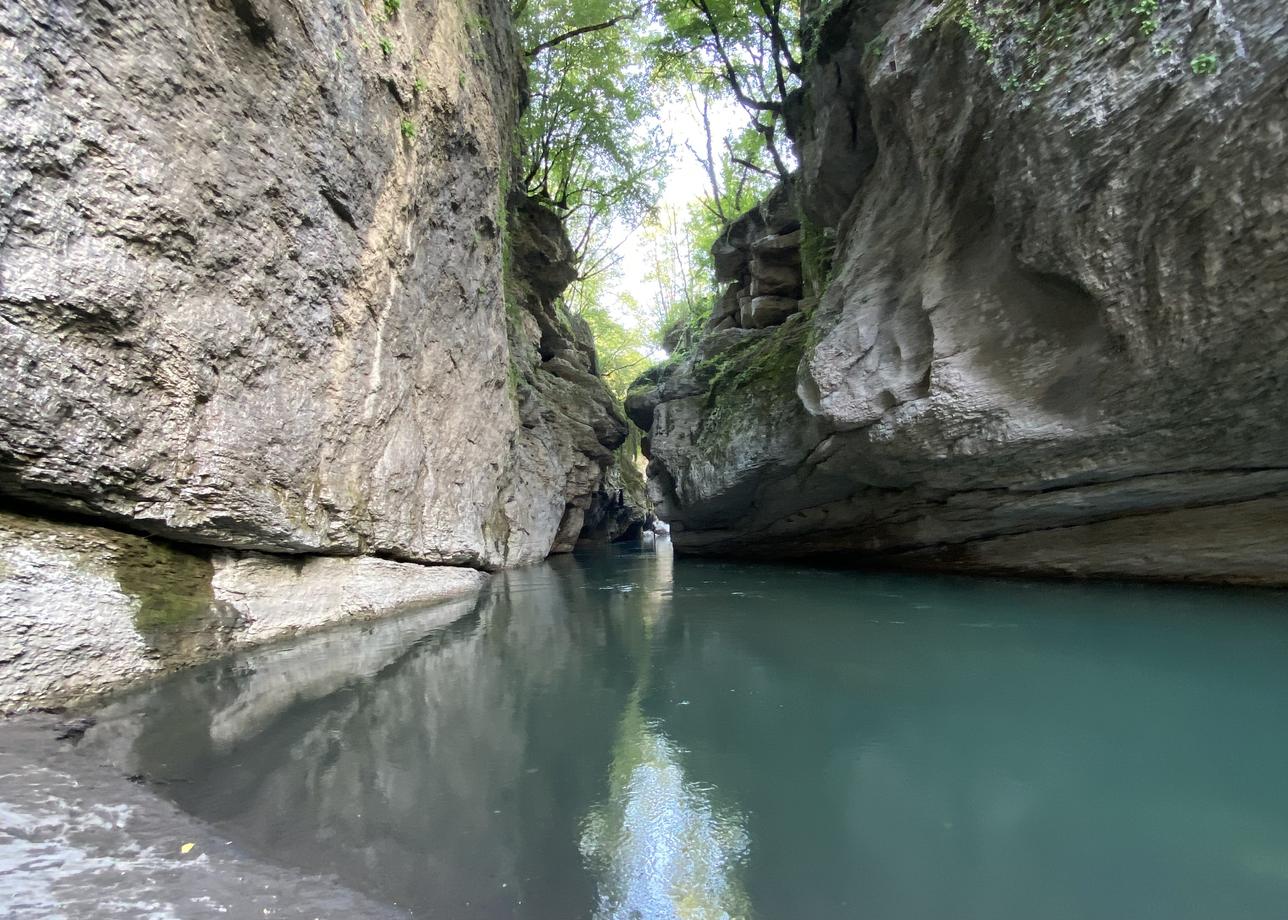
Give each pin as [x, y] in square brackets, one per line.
[276, 321]
[269, 308]
[1020, 310]
[312, 385]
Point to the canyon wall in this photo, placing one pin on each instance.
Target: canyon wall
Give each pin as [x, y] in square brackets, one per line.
[1022, 308]
[265, 296]
[251, 282]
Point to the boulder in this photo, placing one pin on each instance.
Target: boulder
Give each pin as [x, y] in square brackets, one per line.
[771, 310]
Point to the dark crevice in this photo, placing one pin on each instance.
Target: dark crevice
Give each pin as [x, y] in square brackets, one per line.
[258, 26]
[339, 206]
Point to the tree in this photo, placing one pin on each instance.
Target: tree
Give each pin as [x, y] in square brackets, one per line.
[592, 146]
[623, 346]
[749, 46]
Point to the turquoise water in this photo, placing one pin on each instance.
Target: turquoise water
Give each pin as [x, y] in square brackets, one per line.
[625, 735]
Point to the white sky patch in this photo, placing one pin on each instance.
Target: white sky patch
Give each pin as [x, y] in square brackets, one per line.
[686, 182]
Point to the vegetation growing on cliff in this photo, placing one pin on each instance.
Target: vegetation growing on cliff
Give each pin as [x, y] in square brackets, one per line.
[603, 76]
[1024, 40]
[593, 147]
[749, 48]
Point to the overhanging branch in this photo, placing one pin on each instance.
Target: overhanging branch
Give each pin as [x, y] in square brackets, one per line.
[580, 30]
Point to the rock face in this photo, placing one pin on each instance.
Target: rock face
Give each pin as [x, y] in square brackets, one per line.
[620, 508]
[562, 451]
[1051, 333]
[264, 293]
[251, 283]
[85, 610]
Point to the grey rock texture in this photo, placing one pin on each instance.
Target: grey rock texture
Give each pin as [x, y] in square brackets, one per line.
[80, 840]
[85, 610]
[1053, 336]
[562, 452]
[760, 258]
[251, 282]
[620, 508]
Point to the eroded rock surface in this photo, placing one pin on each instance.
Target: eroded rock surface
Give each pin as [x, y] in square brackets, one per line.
[1052, 332]
[620, 508]
[85, 610]
[251, 282]
[562, 452]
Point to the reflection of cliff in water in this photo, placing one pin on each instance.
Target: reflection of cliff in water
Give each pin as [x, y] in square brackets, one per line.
[659, 847]
[979, 727]
[418, 764]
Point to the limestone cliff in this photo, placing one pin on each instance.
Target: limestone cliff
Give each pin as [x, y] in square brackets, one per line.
[251, 282]
[1023, 310]
[268, 310]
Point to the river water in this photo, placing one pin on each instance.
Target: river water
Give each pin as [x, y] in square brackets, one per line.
[620, 734]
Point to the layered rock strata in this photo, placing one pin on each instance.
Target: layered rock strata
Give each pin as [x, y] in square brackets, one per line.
[85, 610]
[1051, 333]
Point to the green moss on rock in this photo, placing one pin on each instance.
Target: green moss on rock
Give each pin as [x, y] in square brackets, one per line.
[173, 587]
[752, 379]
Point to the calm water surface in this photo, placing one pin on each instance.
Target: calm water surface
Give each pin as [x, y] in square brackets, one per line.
[623, 735]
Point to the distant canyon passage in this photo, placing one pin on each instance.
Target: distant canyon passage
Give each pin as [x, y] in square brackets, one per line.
[1022, 309]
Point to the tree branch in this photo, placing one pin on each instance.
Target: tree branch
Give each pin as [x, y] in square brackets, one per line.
[754, 168]
[774, 15]
[731, 75]
[580, 30]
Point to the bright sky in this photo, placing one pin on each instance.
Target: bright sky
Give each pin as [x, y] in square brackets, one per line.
[686, 182]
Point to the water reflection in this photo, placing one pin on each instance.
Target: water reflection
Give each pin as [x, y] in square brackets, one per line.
[658, 846]
[438, 767]
[605, 735]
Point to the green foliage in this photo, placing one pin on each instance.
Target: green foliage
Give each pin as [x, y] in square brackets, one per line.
[1147, 11]
[408, 128]
[1205, 64]
[750, 49]
[818, 246]
[419, 86]
[1037, 32]
[392, 7]
[1041, 35]
[623, 351]
[680, 279]
[593, 148]
[386, 46]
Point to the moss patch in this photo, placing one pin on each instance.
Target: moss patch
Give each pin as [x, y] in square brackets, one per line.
[818, 247]
[632, 479]
[173, 587]
[751, 379]
[1029, 43]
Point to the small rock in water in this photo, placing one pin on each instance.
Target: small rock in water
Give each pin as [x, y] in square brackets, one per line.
[74, 729]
